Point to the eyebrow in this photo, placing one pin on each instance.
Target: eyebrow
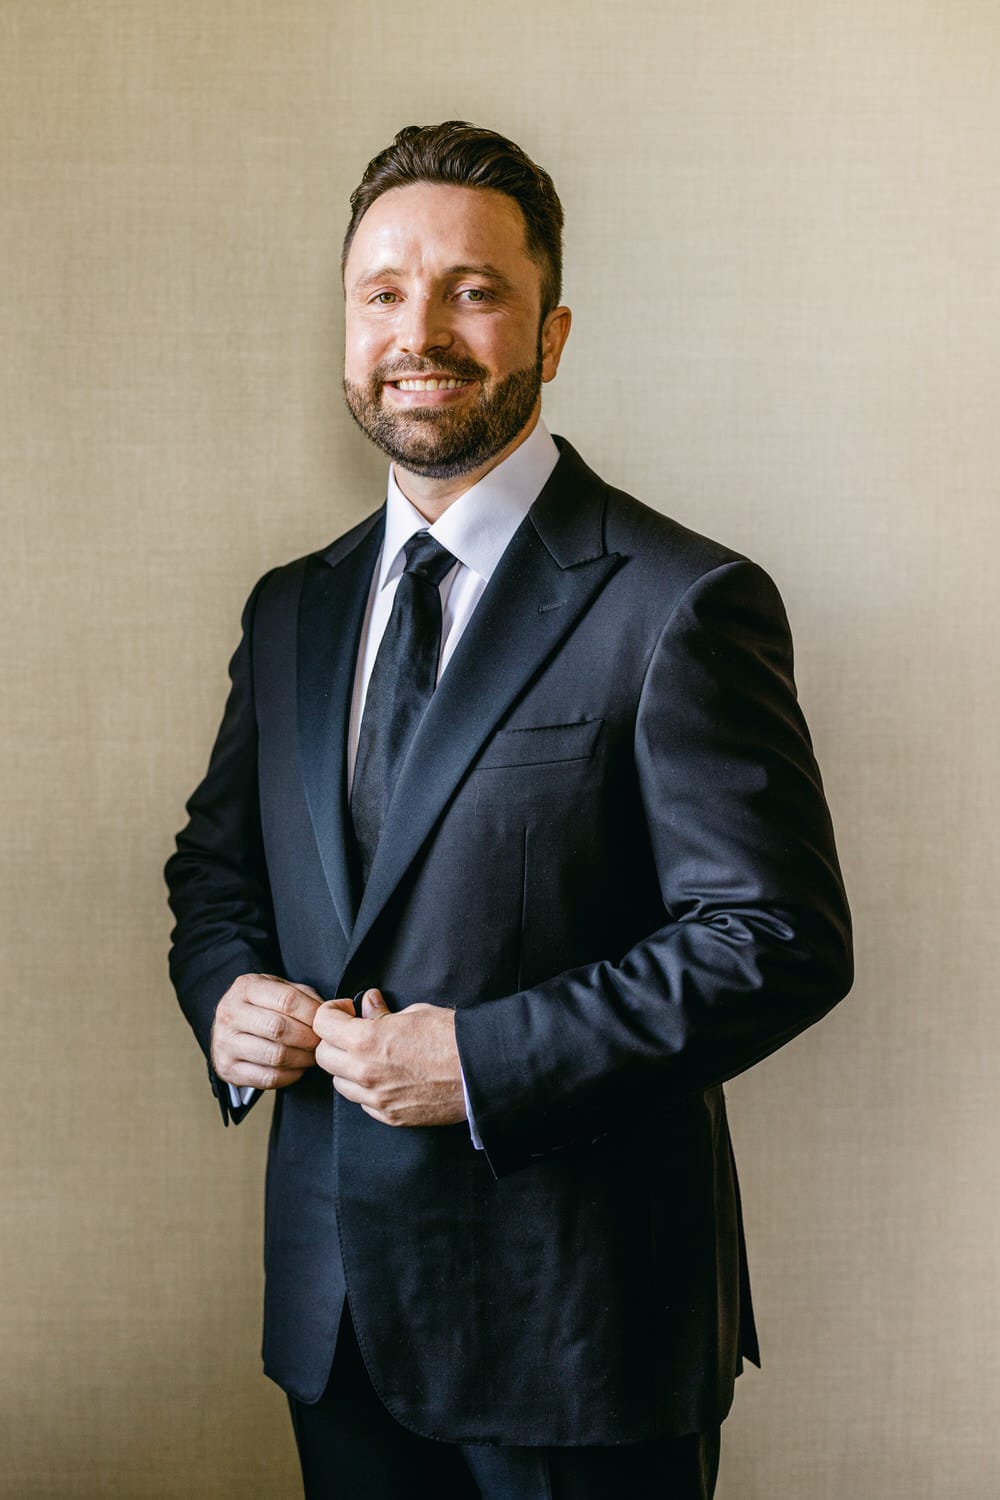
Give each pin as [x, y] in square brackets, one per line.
[483, 269]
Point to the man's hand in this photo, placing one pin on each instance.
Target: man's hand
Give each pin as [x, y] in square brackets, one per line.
[402, 1067]
[262, 1033]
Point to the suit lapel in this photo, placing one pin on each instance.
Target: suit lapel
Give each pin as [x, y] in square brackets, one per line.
[554, 567]
[331, 613]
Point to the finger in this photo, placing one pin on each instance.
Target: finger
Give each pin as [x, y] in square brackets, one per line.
[307, 989]
[336, 1023]
[346, 1006]
[373, 1004]
[349, 1089]
[362, 1098]
[334, 1060]
[253, 1075]
[356, 1068]
[246, 1047]
[357, 1096]
[271, 1026]
[280, 995]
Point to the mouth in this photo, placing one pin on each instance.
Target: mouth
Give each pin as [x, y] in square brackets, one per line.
[428, 383]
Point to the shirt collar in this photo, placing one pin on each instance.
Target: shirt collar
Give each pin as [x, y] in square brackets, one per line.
[478, 526]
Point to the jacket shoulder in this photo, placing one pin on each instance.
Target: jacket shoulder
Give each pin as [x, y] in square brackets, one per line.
[634, 527]
[636, 531]
[283, 582]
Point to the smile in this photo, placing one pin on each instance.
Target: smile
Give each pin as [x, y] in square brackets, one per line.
[448, 383]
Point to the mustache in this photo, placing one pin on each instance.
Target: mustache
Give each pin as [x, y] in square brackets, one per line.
[461, 367]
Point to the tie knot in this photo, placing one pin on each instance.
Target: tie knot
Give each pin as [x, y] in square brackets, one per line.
[426, 558]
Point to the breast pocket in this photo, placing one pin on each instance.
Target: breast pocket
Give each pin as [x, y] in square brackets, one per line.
[540, 745]
[536, 801]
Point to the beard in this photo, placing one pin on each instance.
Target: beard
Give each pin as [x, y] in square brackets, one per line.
[444, 442]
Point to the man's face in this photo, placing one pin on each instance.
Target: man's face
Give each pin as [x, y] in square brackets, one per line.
[445, 351]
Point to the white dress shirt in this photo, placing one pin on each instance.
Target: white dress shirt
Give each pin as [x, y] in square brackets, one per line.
[476, 529]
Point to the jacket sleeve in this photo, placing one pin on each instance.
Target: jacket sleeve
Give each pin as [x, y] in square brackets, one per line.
[217, 879]
[755, 944]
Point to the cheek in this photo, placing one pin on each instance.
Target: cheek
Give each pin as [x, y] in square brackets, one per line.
[506, 349]
[364, 346]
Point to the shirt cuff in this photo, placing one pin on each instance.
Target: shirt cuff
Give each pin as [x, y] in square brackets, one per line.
[473, 1132]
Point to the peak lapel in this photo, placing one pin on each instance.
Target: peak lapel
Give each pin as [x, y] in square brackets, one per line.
[331, 613]
[553, 568]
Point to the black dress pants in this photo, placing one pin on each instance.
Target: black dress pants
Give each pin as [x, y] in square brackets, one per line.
[351, 1448]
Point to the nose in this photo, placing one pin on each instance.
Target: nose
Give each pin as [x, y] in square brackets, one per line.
[424, 326]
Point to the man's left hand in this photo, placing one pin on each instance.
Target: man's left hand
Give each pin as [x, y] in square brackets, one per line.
[401, 1066]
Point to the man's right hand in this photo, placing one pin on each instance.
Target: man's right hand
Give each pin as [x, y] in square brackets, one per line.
[262, 1034]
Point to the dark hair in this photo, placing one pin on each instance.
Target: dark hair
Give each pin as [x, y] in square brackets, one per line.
[467, 156]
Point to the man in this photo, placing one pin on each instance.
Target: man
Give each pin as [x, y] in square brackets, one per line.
[514, 773]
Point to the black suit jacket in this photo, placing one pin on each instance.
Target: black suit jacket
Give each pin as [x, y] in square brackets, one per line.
[609, 850]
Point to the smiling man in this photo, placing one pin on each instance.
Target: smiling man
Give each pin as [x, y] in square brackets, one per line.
[512, 849]
[451, 330]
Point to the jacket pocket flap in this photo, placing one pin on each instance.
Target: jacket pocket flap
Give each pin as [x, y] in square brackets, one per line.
[541, 744]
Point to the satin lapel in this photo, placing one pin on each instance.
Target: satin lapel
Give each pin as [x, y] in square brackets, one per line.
[532, 602]
[331, 614]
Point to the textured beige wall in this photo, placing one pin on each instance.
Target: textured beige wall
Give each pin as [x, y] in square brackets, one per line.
[783, 252]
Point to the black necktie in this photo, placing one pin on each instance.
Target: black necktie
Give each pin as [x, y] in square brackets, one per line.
[399, 689]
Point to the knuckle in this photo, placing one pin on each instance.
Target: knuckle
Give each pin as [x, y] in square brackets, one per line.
[286, 999]
[274, 1025]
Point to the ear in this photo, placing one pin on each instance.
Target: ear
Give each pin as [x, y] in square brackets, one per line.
[555, 332]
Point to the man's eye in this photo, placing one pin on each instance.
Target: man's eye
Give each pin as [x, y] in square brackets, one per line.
[473, 294]
[384, 298]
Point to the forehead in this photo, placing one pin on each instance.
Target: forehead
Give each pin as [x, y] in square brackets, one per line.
[428, 226]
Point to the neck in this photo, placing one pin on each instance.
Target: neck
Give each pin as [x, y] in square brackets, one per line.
[432, 497]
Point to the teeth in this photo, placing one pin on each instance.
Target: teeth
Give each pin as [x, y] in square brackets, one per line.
[429, 385]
